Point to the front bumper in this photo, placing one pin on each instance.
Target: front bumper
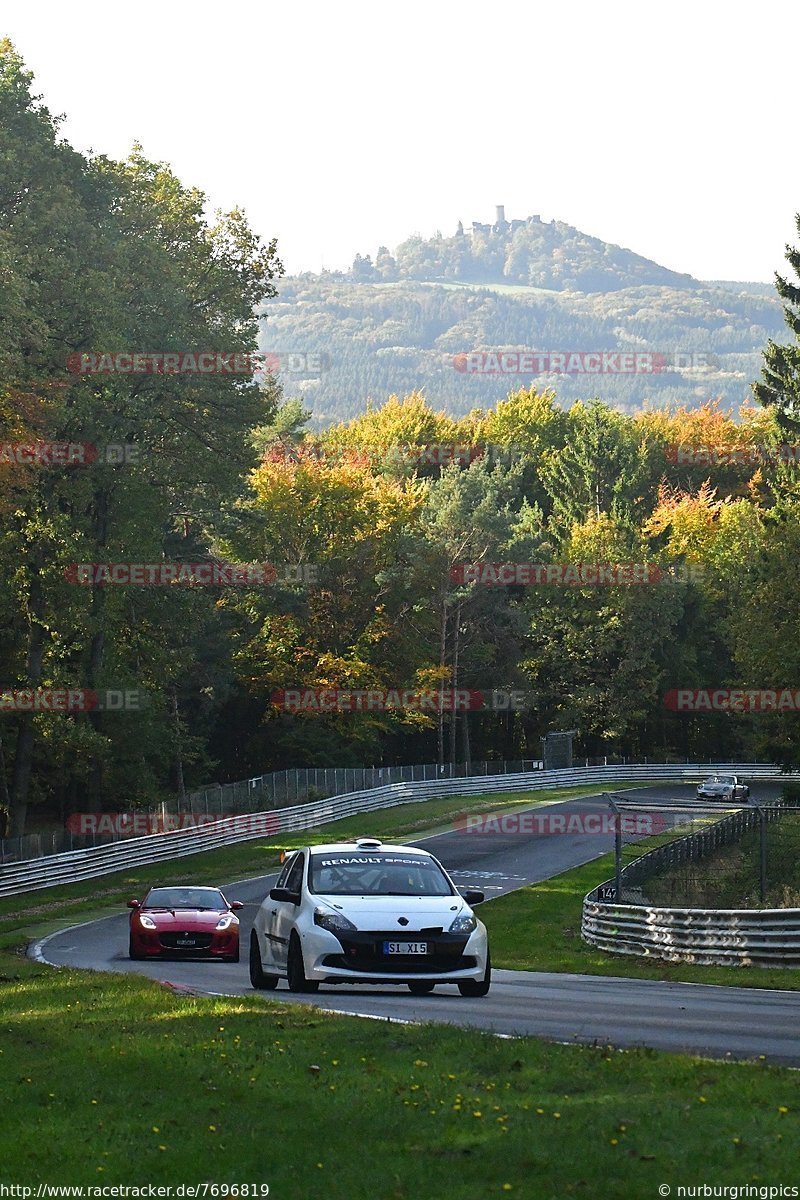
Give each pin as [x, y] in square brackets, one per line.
[158, 944]
[359, 957]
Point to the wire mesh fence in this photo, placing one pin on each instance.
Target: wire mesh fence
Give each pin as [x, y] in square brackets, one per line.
[687, 854]
[279, 789]
[276, 790]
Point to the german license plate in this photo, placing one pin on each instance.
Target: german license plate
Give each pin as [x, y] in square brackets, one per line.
[405, 947]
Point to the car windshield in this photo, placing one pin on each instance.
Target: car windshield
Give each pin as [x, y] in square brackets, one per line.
[722, 779]
[346, 874]
[188, 897]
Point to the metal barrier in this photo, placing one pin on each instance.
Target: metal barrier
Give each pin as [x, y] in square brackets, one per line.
[703, 936]
[279, 789]
[33, 874]
[692, 847]
[707, 937]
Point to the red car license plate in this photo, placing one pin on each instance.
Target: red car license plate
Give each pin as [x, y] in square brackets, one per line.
[186, 942]
[405, 947]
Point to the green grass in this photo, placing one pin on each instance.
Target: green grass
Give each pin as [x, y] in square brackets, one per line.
[109, 1080]
[521, 289]
[113, 1079]
[729, 878]
[50, 907]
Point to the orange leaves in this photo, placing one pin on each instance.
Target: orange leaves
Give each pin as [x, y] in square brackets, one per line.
[709, 428]
[688, 519]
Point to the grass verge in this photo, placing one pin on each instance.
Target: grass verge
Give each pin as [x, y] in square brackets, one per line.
[69, 902]
[729, 878]
[113, 1080]
[537, 928]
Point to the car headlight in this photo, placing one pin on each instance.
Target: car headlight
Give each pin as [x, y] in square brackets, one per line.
[224, 921]
[334, 922]
[466, 923]
[147, 922]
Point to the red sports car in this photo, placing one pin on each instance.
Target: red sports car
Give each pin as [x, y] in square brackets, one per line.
[178, 921]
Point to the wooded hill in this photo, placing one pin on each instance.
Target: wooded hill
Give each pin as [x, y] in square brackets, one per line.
[397, 322]
[386, 509]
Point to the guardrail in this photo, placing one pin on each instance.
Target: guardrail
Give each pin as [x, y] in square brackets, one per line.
[262, 793]
[49, 871]
[707, 937]
[703, 936]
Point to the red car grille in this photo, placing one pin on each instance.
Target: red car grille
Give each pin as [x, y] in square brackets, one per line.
[185, 941]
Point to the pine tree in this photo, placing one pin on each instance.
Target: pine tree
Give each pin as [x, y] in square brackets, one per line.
[780, 388]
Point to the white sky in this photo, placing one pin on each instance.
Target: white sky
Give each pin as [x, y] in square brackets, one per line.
[671, 129]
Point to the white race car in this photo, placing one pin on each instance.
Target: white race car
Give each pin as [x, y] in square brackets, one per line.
[724, 787]
[363, 912]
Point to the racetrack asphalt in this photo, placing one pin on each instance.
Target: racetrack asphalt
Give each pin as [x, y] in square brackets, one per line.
[714, 1022]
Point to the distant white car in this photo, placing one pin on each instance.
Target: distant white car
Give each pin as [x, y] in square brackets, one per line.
[724, 787]
[363, 912]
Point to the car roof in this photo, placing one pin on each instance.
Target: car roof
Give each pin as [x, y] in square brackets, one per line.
[175, 887]
[354, 848]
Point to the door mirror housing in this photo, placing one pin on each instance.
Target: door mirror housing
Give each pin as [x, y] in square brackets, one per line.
[134, 904]
[473, 897]
[283, 894]
[236, 906]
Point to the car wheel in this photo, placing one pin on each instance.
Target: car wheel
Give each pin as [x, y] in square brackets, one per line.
[295, 970]
[257, 977]
[420, 988]
[474, 987]
[133, 952]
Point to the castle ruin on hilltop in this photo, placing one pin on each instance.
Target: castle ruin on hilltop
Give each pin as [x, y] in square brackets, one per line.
[501, 225]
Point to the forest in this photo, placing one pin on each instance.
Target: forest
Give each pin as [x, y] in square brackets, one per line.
[375, 338]
[198, 543]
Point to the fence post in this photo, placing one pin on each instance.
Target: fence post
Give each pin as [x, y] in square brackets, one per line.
[762, 839]
[617, 846]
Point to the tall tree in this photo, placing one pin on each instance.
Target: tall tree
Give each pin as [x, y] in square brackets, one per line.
[115, 256]
[780, 375]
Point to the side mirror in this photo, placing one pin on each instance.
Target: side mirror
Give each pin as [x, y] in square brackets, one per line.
[134, 904]
[235, 905]
[473, 897]
[284, 895]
